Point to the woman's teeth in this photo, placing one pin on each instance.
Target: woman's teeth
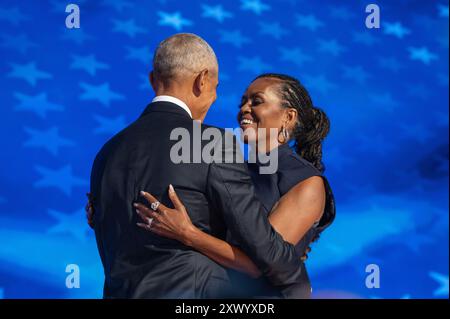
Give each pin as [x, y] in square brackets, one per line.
[246, 121]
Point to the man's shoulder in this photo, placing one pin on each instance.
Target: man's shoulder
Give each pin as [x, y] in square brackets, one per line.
[121, 138]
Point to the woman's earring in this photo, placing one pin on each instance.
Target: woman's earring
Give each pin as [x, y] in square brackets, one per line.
[284, 134]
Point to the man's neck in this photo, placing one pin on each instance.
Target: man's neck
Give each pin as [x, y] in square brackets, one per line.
[176, 94]
[182, 97]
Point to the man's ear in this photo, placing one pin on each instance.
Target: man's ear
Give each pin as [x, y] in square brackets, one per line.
[152, 80]
[200, 82]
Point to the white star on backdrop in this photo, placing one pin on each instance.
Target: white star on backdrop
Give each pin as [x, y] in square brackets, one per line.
[100, 93]
[47, 139]
[174, 20]
[88, 63]
[118, 5]
[253, 64]
[28, 72]
[396, 29]
[62, 179]
[442, 280]
[422, 54]
[142, 54]
[73, 224]
[37, 104]
[216, 12]
[128, 27]
[20, 43]
[309, 21]
[13, 15]
[255, 6]
[294, 55]
[233, 37]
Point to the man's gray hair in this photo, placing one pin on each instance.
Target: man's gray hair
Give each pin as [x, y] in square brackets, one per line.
[183, 54]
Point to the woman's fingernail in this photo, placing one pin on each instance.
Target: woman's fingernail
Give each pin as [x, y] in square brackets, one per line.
[138, 211]
[142, 193]
[171, 188]
[135, 205]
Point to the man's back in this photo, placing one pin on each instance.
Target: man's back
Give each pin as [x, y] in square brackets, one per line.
[139, 264]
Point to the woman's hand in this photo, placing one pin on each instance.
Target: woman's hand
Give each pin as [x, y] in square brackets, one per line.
[171, 223]
[175, 223]
[90, 211]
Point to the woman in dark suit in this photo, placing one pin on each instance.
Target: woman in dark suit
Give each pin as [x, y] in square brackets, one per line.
[297, 197]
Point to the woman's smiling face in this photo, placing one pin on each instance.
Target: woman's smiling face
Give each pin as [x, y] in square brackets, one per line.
[261, 108]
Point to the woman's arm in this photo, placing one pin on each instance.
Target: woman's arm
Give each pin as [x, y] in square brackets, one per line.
[292, 217]
[295, 213]
[221, 252]
[176, 224]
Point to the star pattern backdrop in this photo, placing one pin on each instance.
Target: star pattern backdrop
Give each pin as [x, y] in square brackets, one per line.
[65, 92]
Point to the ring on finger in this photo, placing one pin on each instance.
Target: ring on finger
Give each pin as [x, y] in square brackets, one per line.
[154, 206]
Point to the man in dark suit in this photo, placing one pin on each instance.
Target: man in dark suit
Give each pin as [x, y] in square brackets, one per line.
[219, 196]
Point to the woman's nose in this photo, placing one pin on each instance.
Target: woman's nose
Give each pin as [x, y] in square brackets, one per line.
[242, 111]
[246, 108]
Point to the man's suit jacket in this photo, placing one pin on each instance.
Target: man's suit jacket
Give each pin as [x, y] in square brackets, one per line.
[217, 196]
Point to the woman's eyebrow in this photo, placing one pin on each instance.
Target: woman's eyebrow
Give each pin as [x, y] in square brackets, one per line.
[253, 94]
[259, 92]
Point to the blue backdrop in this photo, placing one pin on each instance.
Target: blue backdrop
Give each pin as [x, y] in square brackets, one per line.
[64, 92]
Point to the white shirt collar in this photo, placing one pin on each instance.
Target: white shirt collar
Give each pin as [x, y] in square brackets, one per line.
[174, 100]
